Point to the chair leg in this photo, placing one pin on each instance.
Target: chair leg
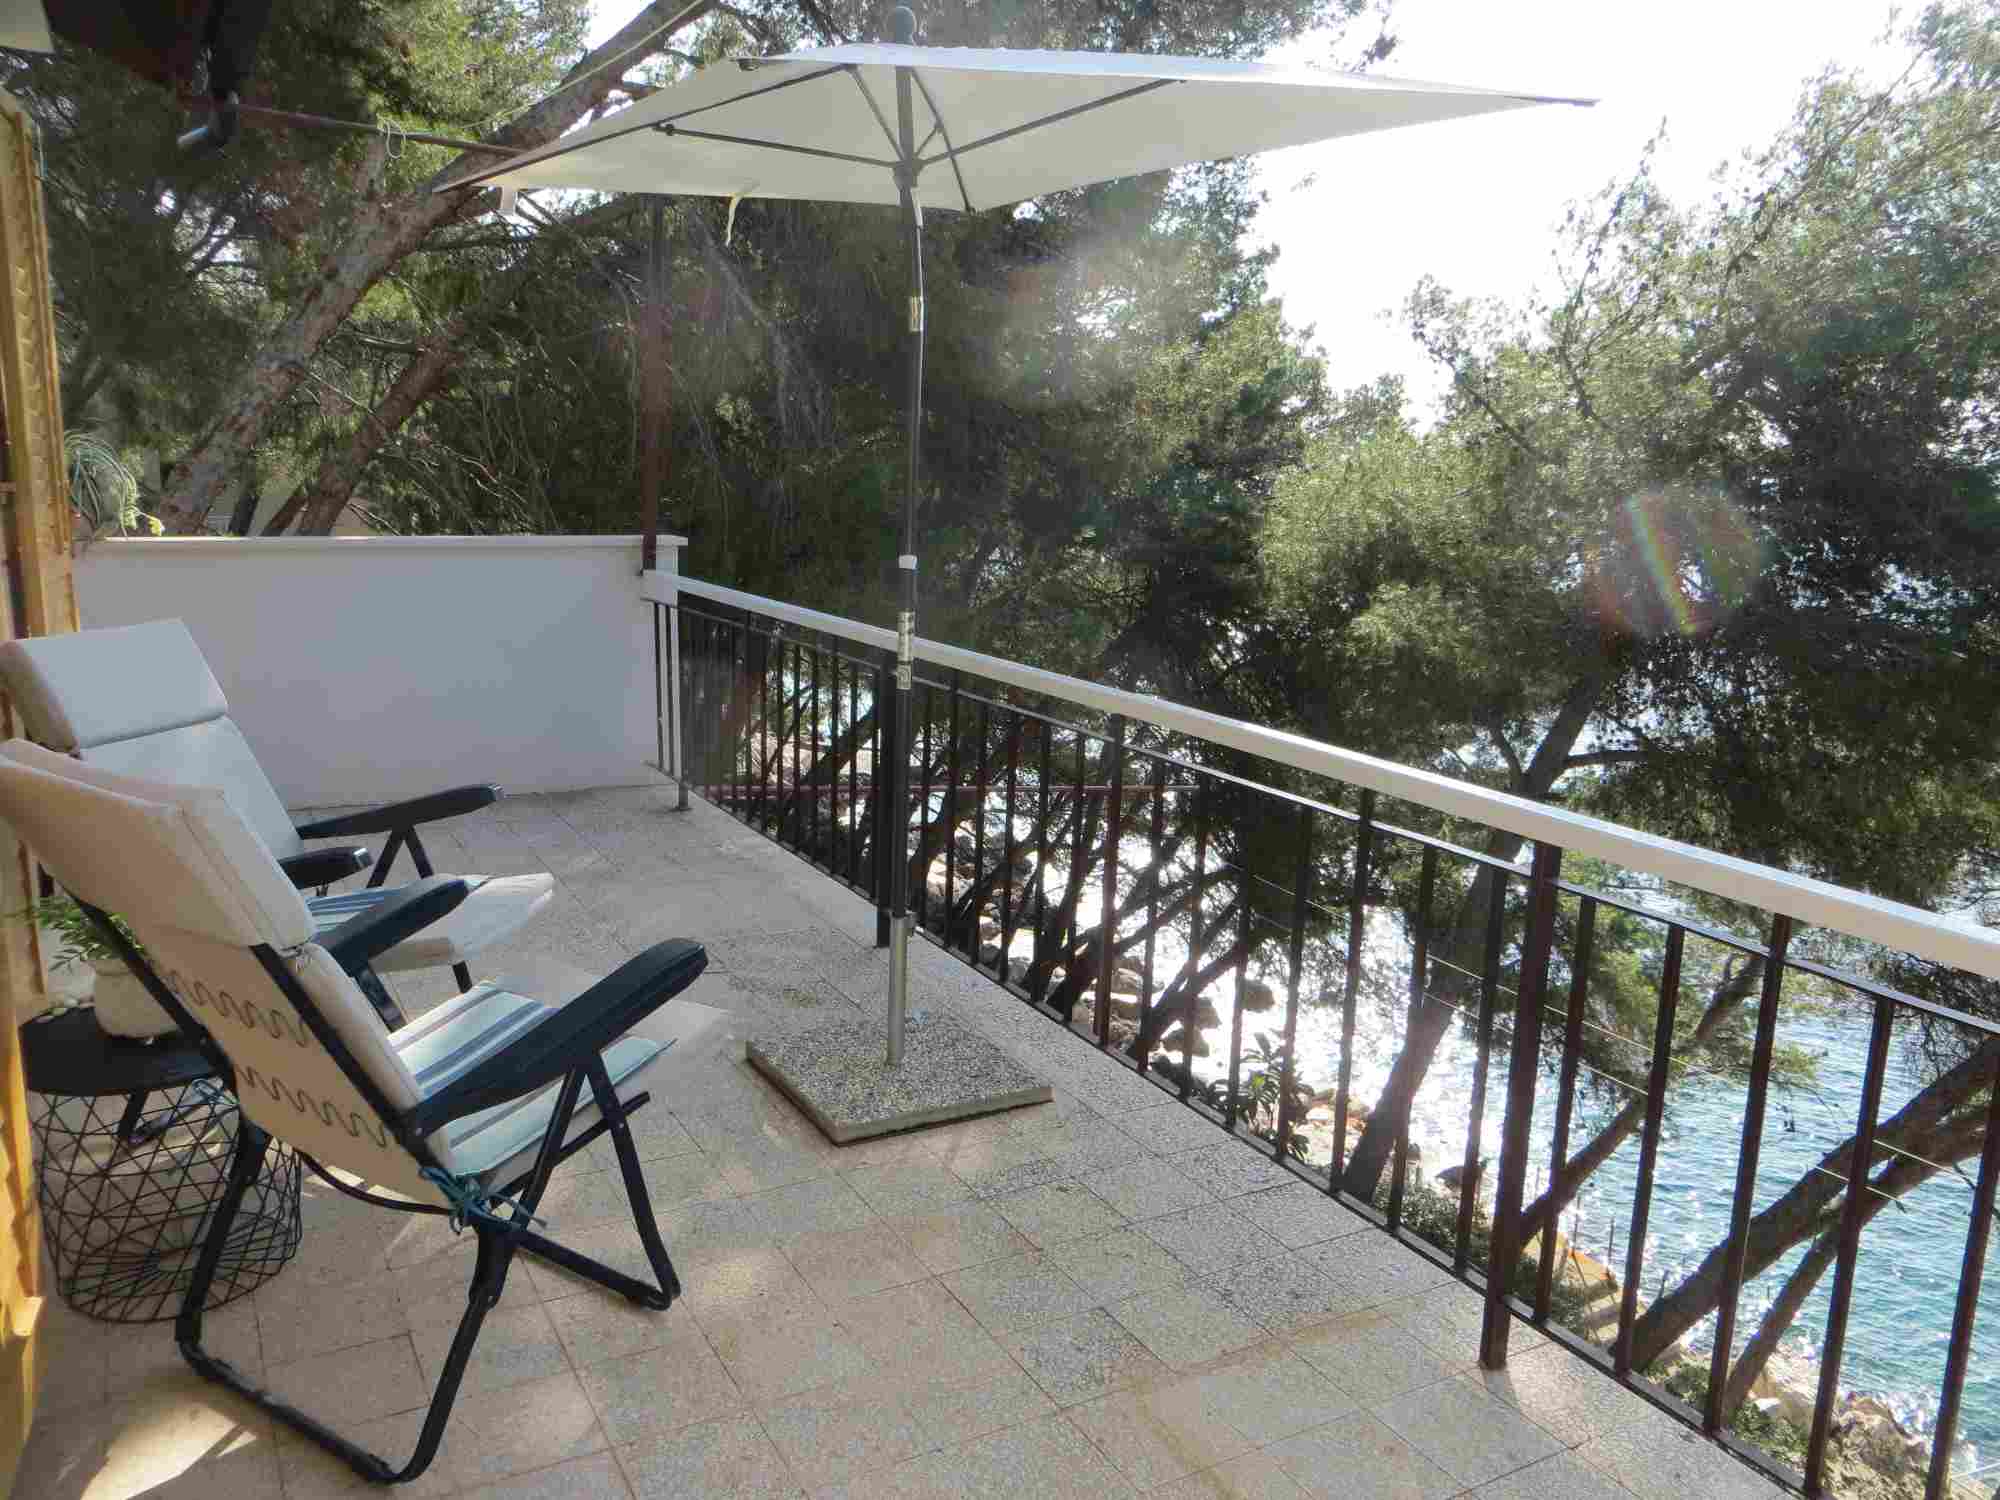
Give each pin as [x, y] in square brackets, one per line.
[615, 1113]
[463, 974]
[370, 984]
[489, 1278]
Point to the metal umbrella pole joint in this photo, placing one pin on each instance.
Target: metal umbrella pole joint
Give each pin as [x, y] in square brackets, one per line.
[904, 24]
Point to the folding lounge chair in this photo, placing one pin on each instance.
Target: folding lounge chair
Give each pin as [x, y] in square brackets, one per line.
[465, 1111]
[141, 700]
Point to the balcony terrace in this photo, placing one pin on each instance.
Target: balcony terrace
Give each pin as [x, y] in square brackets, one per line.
[1099, 1297]
[1161, 1283]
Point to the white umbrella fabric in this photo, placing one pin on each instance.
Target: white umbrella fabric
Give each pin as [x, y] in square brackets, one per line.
[976, 128]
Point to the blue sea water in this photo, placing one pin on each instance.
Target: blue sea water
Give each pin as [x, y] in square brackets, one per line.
[1908, 1269]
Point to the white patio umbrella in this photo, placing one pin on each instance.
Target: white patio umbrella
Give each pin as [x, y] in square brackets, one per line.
[979, 128]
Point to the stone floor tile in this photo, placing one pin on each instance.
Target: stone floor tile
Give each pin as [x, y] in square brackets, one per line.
[1372, 1359]
[815, 1207]
[1356, 1457]
[919, 1334]
[1230, 1170]
[1118, 1265]
[1255, 1476]
[516, 1344]
[1087, 1146]
[521, 1429]
[1285, 1294]
[597, 1477]
[312, 1473]
[1057, 1211]
[1267, 1392]
[757, 1286]
[72, 1355]
[1374, 1268]
[178, 1439]
[1210, 1239]
[993, 1165]
[699, 1233]
[1561, 1393]
[354, 1385]
[1185, 1325]
[1666, 1461]
[595, 1325]
[950, 1414]
[854, 1262]
[1075, 1359]
[143, 1355]
[1146, 1188]
[294, 1327]
[692, 1178]
[1014, 1293]
[829, 1443]
[1166, 1128]
[908, 1188]
[1048, 1459]
[1451, 1319]
[770, 1359]
[653, 1391]
[966, 1234]
[1158, 1433]
[1471, 1434]
[727, 1460]
[1297, 1214]
[1562, 1477]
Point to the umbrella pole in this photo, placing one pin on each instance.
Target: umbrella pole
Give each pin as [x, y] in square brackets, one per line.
[906, 566]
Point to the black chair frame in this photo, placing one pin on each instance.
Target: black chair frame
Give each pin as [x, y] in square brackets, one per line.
[572, 1054]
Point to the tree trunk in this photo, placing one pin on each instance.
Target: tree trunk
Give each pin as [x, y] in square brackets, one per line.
[1795, 1216]
[1465, 939]
[381, 234]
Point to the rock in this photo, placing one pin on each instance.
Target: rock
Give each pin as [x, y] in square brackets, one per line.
[1171, 1043]
[1128, 978]
[1258, 996]
[989, 929]
[1452, 1177]
[1125, 1006]
[989, 955]
[1206, 1015]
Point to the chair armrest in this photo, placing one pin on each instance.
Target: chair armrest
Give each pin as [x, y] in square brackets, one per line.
[325, 866]
[395, 815]
[366, 935]
[568, 1037]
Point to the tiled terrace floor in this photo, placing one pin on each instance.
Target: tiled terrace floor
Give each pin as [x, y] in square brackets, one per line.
[1099, 1297]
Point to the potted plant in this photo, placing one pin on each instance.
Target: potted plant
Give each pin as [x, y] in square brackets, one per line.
[124, 1008]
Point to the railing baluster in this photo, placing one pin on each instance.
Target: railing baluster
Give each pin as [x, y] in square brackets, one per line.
[1572, 1056]
[1420, 954]
[1153, 878]
[797, 698]
[1078, 845]
[1107, 922]
[1649, 1147]
[1523, 1070]
[764, 730]
[1295, 957]
[1357, 921]
[1246, 907]
[813, 777]
[979, 774]
[1003, 970]
[1851, 1216]
[1040, 972]
[888, 734]
[1192, 1000]
[1737, 1245]
[1489, 994]
[854, 771]
[952, 773]
[924, 812]
[1972, 1270]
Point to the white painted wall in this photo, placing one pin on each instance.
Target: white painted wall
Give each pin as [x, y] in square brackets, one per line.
[369, 668]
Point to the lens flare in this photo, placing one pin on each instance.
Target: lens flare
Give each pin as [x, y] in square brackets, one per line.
[1675, 563]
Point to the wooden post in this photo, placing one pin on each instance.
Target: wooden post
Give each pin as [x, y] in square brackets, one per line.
[37, 597]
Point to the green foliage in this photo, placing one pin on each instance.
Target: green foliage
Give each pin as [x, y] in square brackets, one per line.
[78, 939]
[1688, 1379]
[102, 489]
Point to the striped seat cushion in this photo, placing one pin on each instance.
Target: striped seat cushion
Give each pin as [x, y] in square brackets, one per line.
[446, 1043]
[499, 907]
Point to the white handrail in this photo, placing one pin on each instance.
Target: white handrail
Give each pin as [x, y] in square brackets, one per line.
[1893, 924]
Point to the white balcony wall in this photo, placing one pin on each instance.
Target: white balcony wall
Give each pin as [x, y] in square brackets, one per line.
[369, 668]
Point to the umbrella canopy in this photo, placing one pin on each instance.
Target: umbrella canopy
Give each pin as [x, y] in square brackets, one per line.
[993, 126]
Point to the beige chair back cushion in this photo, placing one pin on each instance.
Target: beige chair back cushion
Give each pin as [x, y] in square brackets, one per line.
[199, 890]
[140, 700]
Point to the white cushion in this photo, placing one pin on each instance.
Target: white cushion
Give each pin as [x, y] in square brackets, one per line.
[131, 846]
[93, 687]
[208, 754]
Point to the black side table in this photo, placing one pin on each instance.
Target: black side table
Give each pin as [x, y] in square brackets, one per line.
[134, 1140]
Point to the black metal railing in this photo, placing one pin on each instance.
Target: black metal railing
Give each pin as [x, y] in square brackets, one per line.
[1132, 884]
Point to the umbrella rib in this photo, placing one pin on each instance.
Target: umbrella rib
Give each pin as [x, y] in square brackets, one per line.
[875, 109]
[745, 140]
[615, 135]
[937, 116]
[1055, 119]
